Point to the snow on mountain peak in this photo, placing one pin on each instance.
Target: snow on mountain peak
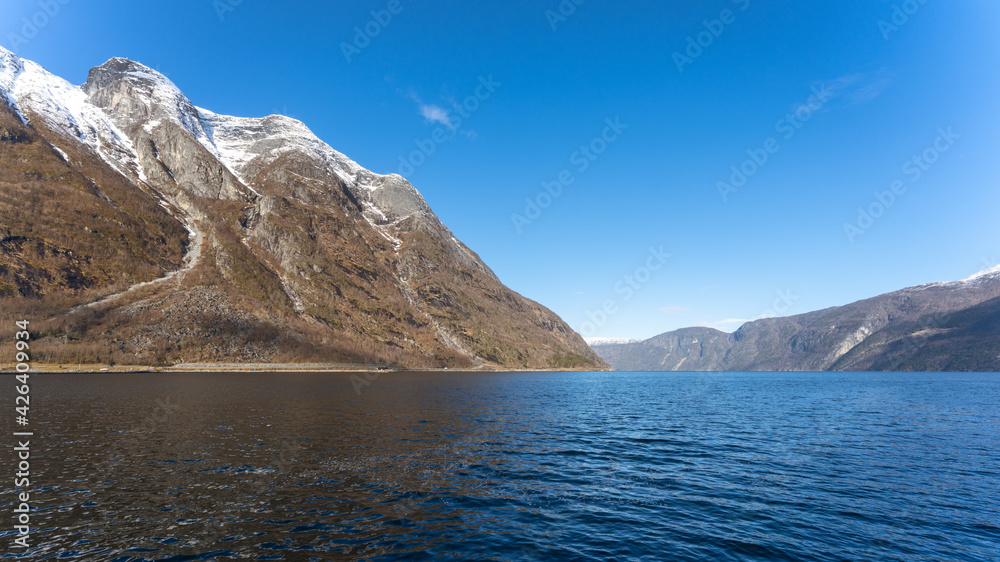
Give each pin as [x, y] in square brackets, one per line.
[240, 140]
[121, 94]
[10, 67]
[7, 57]
[991, 272]
[34, 92]
[121, 69]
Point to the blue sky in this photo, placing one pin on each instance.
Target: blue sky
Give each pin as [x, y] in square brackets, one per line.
[641, 238]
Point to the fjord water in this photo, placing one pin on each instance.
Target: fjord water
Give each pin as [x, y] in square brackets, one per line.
[515, 466]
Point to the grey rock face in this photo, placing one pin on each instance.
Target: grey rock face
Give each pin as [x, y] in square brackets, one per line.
[132, 93]
[940, 326]
[165, 128]
[688, 349]
[397, 198]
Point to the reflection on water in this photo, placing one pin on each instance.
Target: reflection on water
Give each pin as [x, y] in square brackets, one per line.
[576, 466]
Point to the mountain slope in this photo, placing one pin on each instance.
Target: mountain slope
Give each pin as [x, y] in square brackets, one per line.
[951, 326]
[233, 239]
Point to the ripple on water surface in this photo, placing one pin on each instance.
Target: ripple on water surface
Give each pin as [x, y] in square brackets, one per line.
[537, 466]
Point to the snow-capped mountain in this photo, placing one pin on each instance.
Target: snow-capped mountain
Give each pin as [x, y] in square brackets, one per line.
[992, 273]
[290, 244]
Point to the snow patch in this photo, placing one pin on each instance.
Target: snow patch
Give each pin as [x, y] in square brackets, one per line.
[608, 341]
[61, 153]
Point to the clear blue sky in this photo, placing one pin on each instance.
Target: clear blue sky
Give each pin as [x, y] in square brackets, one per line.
[890, 90]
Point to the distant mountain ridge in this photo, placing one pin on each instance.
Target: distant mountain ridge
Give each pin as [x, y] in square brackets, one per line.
[137, 227]
[592, 341]
[951, 326]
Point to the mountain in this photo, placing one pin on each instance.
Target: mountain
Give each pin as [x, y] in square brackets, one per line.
[953, 326]
[136, 227]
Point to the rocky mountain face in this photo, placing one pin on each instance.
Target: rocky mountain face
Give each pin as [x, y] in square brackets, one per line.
[951, 326]
[139, 228]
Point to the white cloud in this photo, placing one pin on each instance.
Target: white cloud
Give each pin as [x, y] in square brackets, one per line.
[730, 322]
[436, 114]
[727, 325]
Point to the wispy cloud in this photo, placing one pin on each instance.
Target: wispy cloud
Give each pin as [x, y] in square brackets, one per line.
[446, 112]
[436, 114]
[734, 322]
[871, 90]
[673, 309]
[859, 88]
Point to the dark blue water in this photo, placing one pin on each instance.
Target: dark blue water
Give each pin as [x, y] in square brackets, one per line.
[563, 466]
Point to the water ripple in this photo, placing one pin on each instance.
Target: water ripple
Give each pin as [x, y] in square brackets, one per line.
[525, 466]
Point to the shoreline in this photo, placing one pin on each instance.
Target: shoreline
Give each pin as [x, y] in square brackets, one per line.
[98, 369]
